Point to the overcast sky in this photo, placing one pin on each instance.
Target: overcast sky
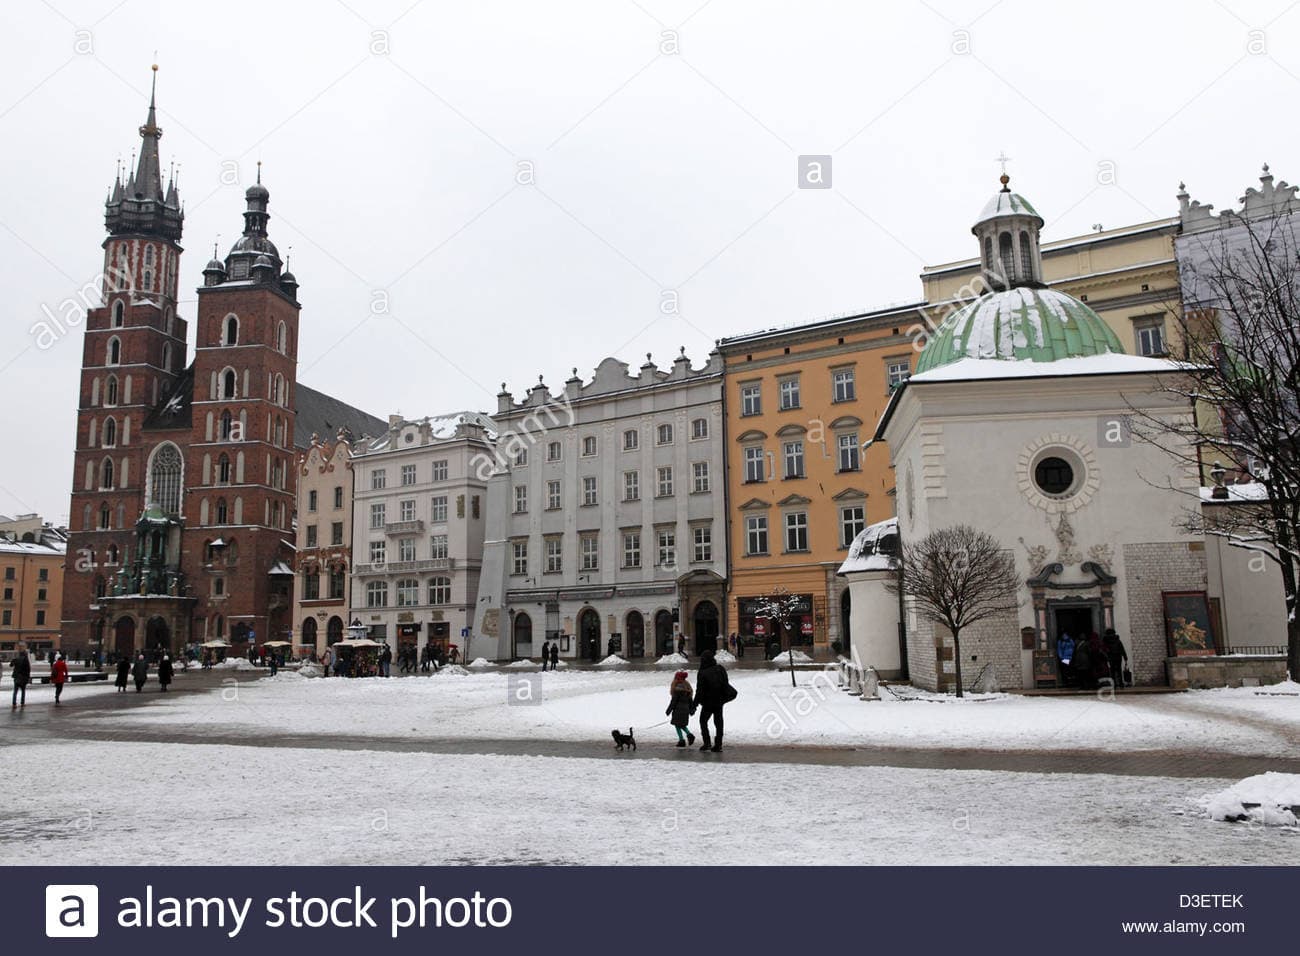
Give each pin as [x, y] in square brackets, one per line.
[662, 137]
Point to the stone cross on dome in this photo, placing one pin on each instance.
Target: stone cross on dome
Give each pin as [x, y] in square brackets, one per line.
[1003, 158]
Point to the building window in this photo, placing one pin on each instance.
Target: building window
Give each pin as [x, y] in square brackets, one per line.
[377, 512]
[110, 391]
[311, 536]
[408, 593]
[521, 458]
[378, 552]
[406, 509]
[336, 584]
[438, 510]
[667, 548]
[664, 481]
[631, 440]
[440, 470]
[590, 552]
[703, 543]
[699, 429]
[794, 459]
[40, 618]
[589, 446]
[338, 496]
[311, 586]
[521, 499]
[789, 393]
[664, 434]
[847, 444]
[438, 547]
[756, 535]
[553, 498]
[796, 531]
[520, 557]
[632, 549]
[753, 464]
[843, 386]
[554, 451]
[406, 549]
[699, 477]
[408, 474]
[311, 495]
[1150, 335]
[631, 486]
[852, 522]
[554, 555]
[377, 594]
[222, 512]
[114, 351]
[897, 372]
[378, 479]
[440, 590]
[106, 475]
[751, 399]
[110, 433]
[589, 490]
[119, 313]
[231, 336]
[336, 532]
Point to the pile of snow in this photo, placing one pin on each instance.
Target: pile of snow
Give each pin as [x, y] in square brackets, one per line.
[725, 657]
[455, 670]
[285, 675]
[1269, 799]
[479, 663]
[310, 670]
[612, 661]
[237, 664]
[673, 660]
[519, 665]
[799, 658]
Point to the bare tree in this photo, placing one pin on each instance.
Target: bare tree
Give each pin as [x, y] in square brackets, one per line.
[1241, 332]
[958, 576]
[785, 608]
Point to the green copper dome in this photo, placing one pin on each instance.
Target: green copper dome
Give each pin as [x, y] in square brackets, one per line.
[1023, 324]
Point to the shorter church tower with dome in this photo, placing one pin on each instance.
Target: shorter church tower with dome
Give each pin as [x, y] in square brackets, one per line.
[1017, 423]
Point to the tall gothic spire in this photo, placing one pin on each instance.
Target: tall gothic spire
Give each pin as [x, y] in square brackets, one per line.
[139, 206]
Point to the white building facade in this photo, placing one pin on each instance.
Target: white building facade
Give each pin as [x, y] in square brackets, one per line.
[418, 522]
[608, 516]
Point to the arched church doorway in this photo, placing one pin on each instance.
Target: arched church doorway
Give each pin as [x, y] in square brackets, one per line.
[523, 635]
[124, 636]
[157, 636]
[589, 634]
[704, 622]
[334, 630]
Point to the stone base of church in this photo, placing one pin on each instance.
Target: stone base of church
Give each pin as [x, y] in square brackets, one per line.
[1190, 673]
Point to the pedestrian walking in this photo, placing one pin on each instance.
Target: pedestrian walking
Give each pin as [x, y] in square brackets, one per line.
[165, 672]
[681, 705]
[385, 660]
[740, 646]
[22, 676]
[140, 672]
[681, 644]
[1116, 658]
[1065, 655]
[713, 691]
[555, 654]
[123, 672]
[546, 653]
[273, 662]
[327, 661]
[58, 677]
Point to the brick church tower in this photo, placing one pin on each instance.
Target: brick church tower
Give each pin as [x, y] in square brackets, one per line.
[183, 484]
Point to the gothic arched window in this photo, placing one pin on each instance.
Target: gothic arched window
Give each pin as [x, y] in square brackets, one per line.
[167, 357]
[110, 433]
[106, 474]
[119, 312]
[223, 515]
[282, 338]
[228, 383]
[232, 331]
[114, 351]
[165, 469]
[225, 425]
[223, 470]
[110, 392]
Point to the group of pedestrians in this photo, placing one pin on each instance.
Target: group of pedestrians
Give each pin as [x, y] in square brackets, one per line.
[550, 654]
[1090, 660]
[712, 692]
[138, 671]
[21, 673]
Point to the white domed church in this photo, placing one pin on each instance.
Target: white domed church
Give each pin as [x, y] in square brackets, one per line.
[1016, 423]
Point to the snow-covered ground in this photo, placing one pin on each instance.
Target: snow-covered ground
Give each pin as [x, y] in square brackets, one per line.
[133, 803]
[585, 705]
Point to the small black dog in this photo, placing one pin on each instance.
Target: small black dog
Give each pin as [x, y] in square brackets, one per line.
[624, 740]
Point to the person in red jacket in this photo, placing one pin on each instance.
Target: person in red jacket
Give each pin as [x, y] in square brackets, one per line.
[59, 676]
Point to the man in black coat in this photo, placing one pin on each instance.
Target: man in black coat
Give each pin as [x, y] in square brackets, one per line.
[140, 672]
[22, 676]
[712, 691]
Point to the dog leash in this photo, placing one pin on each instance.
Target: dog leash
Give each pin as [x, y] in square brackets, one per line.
[653, 726]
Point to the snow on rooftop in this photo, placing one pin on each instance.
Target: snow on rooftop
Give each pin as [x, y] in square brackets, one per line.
[865, 553]
[1248, 491]
[1110, 363]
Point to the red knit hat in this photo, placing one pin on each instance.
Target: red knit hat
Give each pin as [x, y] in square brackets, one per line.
[680, 675]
